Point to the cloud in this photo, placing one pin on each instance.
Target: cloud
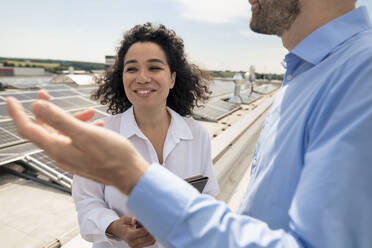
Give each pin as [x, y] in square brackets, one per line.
[214, 11]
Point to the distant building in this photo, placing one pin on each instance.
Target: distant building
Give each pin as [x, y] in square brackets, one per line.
[109, 60]
[72, 71]
[74, 80]
[20, 71]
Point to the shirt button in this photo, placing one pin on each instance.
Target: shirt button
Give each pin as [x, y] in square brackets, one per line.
[289, 77]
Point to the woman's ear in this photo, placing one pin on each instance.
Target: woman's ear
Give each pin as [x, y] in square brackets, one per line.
[173, 78]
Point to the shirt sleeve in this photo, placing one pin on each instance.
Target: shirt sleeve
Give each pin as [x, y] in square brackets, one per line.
[179, 216]
[94, 215]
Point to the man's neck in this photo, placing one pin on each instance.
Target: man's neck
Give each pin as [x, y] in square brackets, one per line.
[314, 14]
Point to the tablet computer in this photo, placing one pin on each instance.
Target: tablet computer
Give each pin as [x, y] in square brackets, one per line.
[198, 181]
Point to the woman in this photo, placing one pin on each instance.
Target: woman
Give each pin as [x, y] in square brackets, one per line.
[150, 91]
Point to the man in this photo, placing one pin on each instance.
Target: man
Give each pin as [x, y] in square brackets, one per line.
[311, 173]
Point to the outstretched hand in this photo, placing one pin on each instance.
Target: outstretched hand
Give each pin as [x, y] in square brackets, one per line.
[78, 147]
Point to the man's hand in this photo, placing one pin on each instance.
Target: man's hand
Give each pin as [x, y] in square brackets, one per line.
[125, 229]
[81, 148]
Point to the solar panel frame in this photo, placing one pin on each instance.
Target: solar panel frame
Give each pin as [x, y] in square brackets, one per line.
[85, 91]
[18, 96]
[248, 98]
[79, 101]
[63, 103]
[209, 112]
[8, 139]
[56, 87]
[102, 108]
[43, 158]
[31, 95]
[9, 126]
[63, 93]
[228, 106]
[3, 110]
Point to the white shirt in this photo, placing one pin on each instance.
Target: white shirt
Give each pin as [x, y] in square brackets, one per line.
[186, 153]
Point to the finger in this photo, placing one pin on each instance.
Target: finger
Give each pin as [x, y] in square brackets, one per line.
[85, 115]
[99, 123]
[57, 118]
[126, 220]
[43, 95]
[134, 234]
[134, 221]
[142, 242]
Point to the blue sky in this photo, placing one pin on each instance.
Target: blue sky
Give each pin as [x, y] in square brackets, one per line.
[216, 32]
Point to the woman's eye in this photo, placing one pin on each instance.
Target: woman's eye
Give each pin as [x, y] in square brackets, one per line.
[155, 68]
[131, 69]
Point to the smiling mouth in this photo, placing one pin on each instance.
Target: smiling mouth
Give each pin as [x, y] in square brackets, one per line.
[143, 92]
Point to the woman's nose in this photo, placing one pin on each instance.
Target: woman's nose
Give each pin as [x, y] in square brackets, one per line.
[143, 77]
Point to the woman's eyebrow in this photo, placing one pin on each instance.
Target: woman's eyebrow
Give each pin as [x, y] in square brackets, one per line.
[132, 61]
[156, 60]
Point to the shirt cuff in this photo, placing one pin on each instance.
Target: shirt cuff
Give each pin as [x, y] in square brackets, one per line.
[106, 221]
[159, 200]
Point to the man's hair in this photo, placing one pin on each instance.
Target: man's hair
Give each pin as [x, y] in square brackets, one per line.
[191, 84]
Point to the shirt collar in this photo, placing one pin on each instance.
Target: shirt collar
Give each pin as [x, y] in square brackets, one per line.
[322, 41]
[178, 126]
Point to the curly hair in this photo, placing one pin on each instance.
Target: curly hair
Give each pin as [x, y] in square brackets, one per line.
[191, 84]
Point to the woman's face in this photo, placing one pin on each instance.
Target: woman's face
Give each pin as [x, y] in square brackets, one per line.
[147, 77]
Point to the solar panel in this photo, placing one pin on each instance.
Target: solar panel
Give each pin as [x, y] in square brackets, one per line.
[86, 91]
[55, 87]
[7, 139]
[221, 88]
[4, 158]
[213, 111]
[9, 126]
[63, 103]
[80, 102]
[44, 164]
[102, 108]
[20, 97]
[63, 93]
[3, 110]
[31, 95]
[249, 97]
[228, 106]
[209, 112]
[265, 88]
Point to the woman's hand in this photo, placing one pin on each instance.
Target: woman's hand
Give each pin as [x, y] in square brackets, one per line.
[125, 229]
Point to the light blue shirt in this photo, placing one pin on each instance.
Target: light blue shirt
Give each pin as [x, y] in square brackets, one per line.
[311, 177]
